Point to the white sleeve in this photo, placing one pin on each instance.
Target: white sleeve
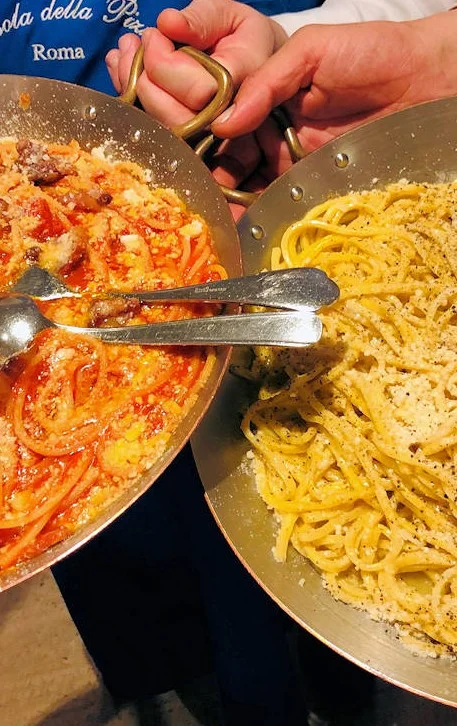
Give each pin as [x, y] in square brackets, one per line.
[355, 11]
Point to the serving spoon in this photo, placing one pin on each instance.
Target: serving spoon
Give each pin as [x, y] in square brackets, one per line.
[21, 320]
[302, 288]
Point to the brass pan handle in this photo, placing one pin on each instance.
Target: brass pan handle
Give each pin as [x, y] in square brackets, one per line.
[207, 115]
[129, 95]
[296, 150]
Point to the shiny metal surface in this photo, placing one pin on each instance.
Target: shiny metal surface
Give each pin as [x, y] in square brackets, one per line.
[419, 144]
[48, 110]
[41, 284]
[299, 289]
[293, 329]
[21, 321]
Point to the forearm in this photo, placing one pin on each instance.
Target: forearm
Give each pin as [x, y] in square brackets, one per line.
[354, 11]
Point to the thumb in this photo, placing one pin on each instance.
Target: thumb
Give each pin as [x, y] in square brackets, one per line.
[202, 23]
[281, 77]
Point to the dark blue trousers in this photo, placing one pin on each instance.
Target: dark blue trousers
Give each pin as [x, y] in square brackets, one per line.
[159, 598]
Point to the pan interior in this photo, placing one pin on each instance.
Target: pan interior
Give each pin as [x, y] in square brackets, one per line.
[419, 144]
[53, 111]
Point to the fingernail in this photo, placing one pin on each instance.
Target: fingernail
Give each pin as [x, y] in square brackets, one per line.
[224, 117]
[125, 41]
[146, 36]
[112, 58]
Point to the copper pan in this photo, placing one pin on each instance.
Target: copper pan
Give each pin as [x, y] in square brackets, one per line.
[55, 111]
[419, 144]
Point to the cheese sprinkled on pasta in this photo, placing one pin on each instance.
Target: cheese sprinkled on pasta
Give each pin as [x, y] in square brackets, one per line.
[355, 439]
[80, 420]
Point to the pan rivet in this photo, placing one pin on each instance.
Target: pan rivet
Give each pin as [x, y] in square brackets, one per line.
[136, 135]
[90, 113]
[341, 160]
[173, 165]
[296, 193]
[257, 231]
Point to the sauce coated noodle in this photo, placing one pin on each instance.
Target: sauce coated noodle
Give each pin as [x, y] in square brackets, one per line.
[81, 420]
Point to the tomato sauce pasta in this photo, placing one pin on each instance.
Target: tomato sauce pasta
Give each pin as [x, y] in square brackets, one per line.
[81, 420]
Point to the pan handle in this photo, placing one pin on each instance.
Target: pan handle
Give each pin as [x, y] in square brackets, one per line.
[129, 95]
[207, 115]
[296, 150]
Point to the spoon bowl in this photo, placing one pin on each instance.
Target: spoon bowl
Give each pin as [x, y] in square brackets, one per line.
[20, 322]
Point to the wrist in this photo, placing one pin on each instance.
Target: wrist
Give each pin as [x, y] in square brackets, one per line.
[435, 37]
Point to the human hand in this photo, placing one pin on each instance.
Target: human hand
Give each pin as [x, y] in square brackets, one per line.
[332, 78]
[239, 163]
[173, 87]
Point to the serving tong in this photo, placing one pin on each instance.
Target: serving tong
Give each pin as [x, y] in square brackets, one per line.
[302, 288]
[295, 294]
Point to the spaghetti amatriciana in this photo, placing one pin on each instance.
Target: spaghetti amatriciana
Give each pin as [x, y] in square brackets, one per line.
[355, 439]
[79, 419]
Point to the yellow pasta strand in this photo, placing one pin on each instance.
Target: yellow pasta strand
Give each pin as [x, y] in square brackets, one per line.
[355, 439]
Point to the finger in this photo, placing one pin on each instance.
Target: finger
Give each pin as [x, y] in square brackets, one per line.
[112, 64]
[236, 161]
[202, 23]
[277, 158]
[175, 72]
[290, 69]
[226, 28]
[257, 183]
[237, 211]
[128, 45]
[159, 104]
